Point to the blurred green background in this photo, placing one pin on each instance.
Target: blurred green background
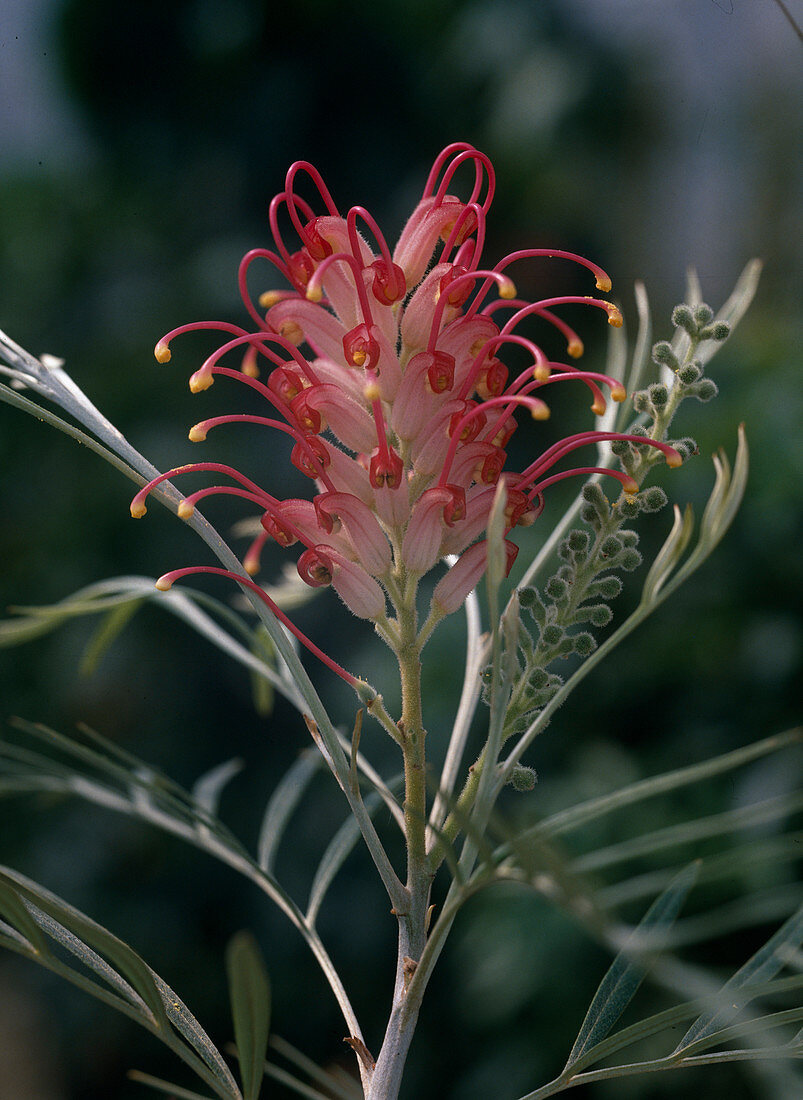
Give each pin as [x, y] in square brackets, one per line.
[140, 147]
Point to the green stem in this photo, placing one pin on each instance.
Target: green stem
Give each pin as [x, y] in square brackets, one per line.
[387, 1074]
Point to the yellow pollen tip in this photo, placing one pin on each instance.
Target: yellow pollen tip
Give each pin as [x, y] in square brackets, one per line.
[614, 316]
[269, 298]
[673, 459]
[598, 408]
[604, 284]
[630, 487]
[541, 373]
[358, 358]
[314, 293]
[540, 412]
[138, 510]
[371, 392]
[162, 352]
[201, 380]
[618, 393]
[291, 331]
[250, 370]
[251, 566]
[185, 510]
[197, 434]
[575, 348]
[164, 584]
[507, 288]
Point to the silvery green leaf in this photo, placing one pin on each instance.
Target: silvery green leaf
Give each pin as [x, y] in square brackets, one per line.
[249, 992]
[763, 966]
[207, 790]
[670, 554]
[282, 803]
[628, 969]
[134, 988]
[735, 307]
[175, 1092]
[576, 816]
[113, 623]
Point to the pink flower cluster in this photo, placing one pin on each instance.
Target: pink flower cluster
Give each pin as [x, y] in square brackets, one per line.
[399, 407]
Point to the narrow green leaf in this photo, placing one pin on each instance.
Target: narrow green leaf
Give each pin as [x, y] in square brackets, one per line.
[670, 553]
[337, 851]
[641, 351]
[716, 523]
[576, 816]
[669, 1018]
[157, 1083]
[41, 412]
[126, 961]
[628, 969]
[762, 966]
[26, 628]
[691, 832]
[495, 533]
[293, 1083]
[207, 790]
[345, 1089]
[732, 863]
[16, 913]
[262, 689]
[136, 999]
[736, 306]
[113, 623]
[282, 803]
[249, 991]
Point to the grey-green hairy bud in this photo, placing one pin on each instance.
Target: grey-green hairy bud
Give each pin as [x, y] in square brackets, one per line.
[552, 634]
[682, 317]
[606, 588]
[610, 546]
[690, 372]
[653, 499]
[659, 394]
[662, 352]
[556, 588]
[523, 778]
[705, 389]
[584, 644]
[630, 559]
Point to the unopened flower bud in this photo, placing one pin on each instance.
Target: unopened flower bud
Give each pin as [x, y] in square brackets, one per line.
[630, 559]
[552, 634]
[663, 352]
[690, 372]
[682, 317]
[659, 395]
[578, 541]
[653, 499]
[610, 546]
[705, 389]
[556, 588]
[629, 507]
[584, 644]
[607, 588]
[523, 778]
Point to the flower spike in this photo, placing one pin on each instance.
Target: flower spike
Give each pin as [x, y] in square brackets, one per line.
[386, 368]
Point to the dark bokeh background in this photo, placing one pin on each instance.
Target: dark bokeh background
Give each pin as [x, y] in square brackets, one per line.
[140, 147]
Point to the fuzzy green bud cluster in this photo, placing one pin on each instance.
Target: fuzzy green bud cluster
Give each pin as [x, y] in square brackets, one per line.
[559, 620]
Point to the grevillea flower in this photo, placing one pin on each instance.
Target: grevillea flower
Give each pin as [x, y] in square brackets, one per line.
[385, 372]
